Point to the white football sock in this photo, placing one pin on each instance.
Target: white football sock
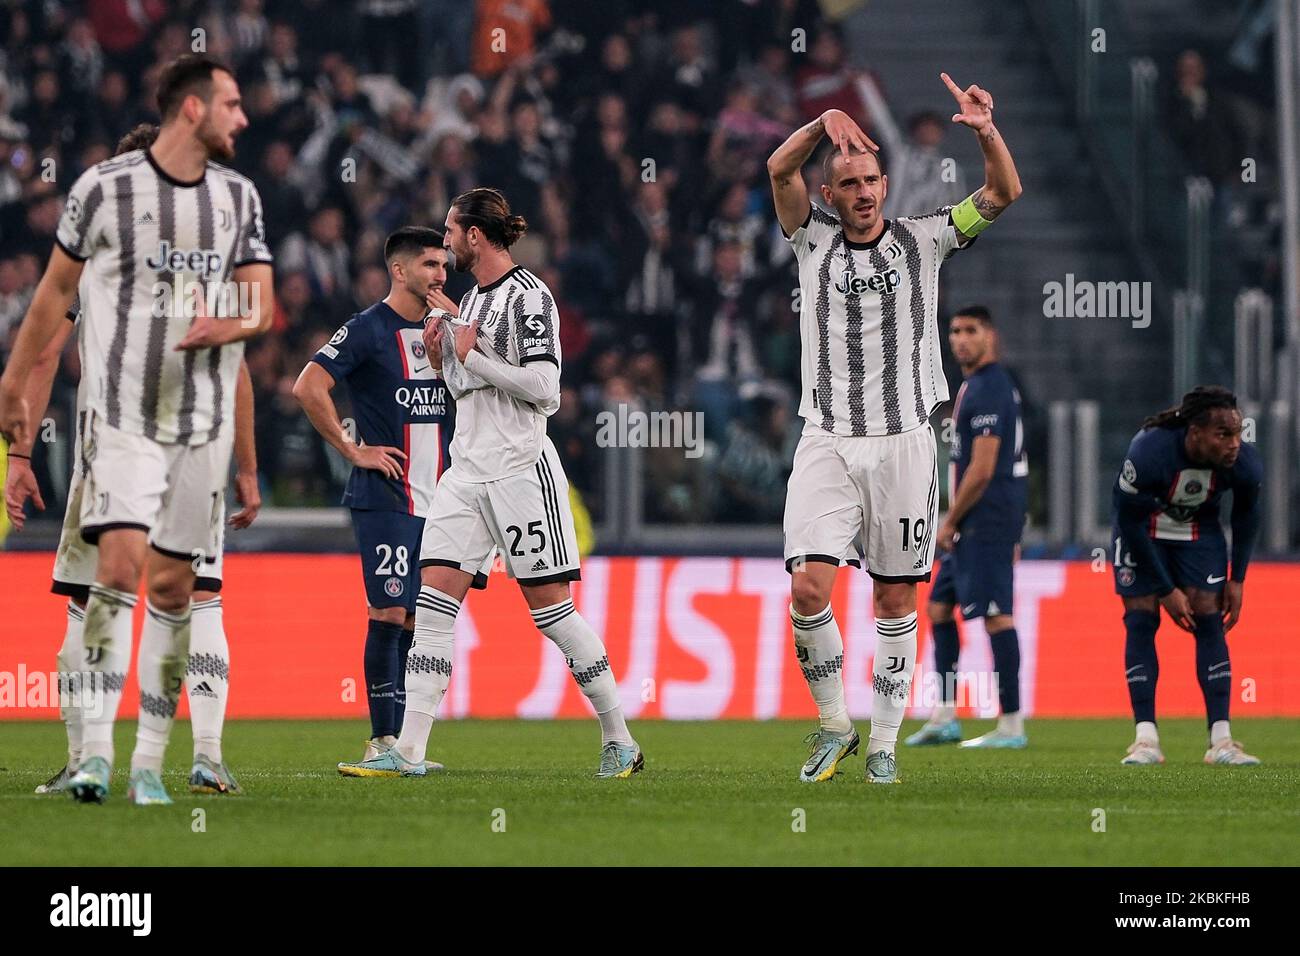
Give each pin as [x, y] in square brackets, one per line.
[891, 679]
[71, 683]
[428, 669]
[1219, 732]
[820, 649]
[1012, 725]
[207, 677]
[106, 637]
[164, 649]
[589, 665]
[1146, 730]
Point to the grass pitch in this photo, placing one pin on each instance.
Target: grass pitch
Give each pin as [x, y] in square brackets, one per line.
[712, 793]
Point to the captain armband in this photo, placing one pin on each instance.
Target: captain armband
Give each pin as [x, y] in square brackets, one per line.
[968, 219]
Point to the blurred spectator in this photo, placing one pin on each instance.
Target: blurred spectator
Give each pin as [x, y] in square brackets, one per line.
[828, 82]
[633, 140]
[756, 462]
[1203, 123]
[322, 254]
[505, 32]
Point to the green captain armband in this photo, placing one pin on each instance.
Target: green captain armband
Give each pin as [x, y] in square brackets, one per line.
[968, 219]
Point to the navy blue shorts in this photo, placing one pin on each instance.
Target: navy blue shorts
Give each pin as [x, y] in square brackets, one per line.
[977, 577]
[389, 542]
[1201, 564]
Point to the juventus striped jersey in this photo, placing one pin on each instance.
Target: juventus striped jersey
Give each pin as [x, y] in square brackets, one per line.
[140, 231]
[868, 323]
[498, 434]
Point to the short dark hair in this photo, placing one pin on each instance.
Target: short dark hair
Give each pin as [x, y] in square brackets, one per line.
[832, 151]
[410, 241]
[488, 209]
[978, 312]
[140, 137]
[189, 73]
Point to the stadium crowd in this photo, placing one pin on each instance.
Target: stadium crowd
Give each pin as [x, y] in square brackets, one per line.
[634, 143]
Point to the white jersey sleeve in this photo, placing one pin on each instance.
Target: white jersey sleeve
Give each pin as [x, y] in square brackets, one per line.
[79, 227]
[937, 226]
[816, 232]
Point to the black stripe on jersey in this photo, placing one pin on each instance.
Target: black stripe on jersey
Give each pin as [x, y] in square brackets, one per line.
[157, 340]
[818, 214]
[857, 362]
[824, 391]
[125, 292]
[527, 279]
[208, 239]
[237, 197]
[94, 199]
[932, 506]
[889, 352]
[555, 503]
[912, 253]
[550, 512]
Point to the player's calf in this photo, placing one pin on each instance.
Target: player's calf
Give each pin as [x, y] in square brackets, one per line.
[585, 655]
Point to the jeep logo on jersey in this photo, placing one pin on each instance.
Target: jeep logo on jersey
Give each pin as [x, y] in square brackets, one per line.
[883, 282]
[422, 399]
[206, 262]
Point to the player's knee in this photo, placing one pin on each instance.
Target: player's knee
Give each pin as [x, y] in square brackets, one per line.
[807, 594]
[939, 613]
[388, 615]
[893, 600]
[1203, 602]
[169, 592]
[1147, 603]
[452, 582]
[997, 623]
[118, 571]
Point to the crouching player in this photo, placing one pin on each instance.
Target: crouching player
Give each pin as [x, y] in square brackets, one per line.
[1170, 551]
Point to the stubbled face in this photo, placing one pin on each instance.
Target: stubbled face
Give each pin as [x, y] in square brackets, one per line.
[456, 241]
[222, 118]
[422, 273]
[970, 340]
[857, 190]
[1218, 441]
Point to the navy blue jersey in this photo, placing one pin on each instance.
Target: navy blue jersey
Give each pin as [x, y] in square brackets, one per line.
[988, 403]
[1181, 499]
[398, 400]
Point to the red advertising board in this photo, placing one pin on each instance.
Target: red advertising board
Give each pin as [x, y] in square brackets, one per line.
[689, 638]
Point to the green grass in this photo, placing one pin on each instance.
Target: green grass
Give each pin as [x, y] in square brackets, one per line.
[712, 793]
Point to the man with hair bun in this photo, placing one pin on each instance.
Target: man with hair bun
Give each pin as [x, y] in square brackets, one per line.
[499, 352]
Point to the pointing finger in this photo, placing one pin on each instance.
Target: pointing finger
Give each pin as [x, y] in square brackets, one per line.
[953, 88]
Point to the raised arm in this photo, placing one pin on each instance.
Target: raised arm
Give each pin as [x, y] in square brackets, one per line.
[1001, 186]
[789, 191]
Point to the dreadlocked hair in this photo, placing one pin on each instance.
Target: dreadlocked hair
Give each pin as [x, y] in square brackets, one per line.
[1194, 409]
